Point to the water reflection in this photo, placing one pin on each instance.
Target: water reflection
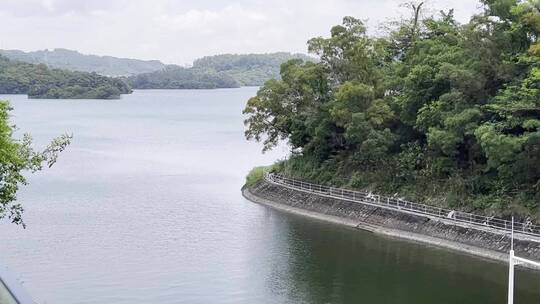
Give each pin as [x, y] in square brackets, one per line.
[332, 264]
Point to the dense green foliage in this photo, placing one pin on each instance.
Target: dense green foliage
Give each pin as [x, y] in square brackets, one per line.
[175, 77]
[39, 81]
[75, 61]
[250, 69]
[16, 158]
[437, 111]
[213, 72]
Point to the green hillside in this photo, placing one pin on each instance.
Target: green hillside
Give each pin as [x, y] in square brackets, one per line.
[250, 69]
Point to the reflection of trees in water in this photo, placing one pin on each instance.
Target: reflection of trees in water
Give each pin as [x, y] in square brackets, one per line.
[324, 263]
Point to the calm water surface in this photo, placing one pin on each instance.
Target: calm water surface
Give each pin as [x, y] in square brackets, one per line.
[145, 207]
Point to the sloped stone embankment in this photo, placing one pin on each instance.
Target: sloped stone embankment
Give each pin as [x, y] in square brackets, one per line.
[489, 244]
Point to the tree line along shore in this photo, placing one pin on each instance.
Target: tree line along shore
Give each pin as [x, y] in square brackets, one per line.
[435, 111]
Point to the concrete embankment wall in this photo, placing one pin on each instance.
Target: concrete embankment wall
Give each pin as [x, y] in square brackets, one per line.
[488, 244]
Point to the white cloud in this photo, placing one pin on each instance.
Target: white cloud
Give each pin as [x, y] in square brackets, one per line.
[180, 31]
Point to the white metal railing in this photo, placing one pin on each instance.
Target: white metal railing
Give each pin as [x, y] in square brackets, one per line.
[398, 204]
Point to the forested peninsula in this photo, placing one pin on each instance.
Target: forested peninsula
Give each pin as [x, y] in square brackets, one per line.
[40, 81]
[434, 111]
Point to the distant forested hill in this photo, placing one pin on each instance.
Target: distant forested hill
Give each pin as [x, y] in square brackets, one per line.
[75, 61]
[250, 69]
[220, 71]
[40, 81]
[175, 77]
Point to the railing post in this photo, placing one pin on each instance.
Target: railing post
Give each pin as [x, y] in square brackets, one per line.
[511, 278]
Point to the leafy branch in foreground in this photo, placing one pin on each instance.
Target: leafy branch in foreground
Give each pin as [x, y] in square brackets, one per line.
[18, 157]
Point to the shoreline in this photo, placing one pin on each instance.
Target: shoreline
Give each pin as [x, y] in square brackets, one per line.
[478, 243]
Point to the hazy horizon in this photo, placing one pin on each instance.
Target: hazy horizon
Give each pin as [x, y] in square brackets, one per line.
[182, 64]
[178, 32]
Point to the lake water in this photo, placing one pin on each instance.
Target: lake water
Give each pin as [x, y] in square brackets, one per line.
[145, 207]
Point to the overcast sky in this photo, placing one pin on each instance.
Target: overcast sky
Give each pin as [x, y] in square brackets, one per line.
[179, 31]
